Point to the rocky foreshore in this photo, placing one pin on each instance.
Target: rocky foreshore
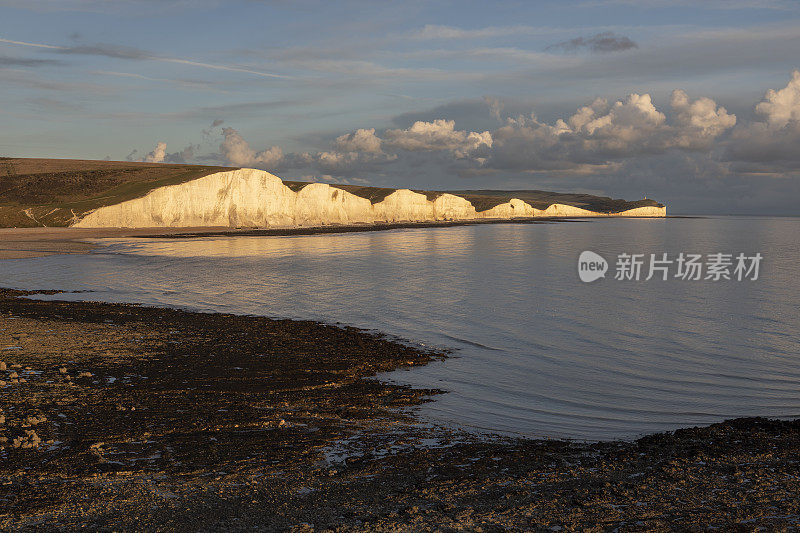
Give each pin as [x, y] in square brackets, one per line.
[121, 417]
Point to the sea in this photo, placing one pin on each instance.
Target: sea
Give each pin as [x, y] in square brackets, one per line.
[535, 350]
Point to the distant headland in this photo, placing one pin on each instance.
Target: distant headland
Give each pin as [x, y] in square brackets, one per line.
[113, 194]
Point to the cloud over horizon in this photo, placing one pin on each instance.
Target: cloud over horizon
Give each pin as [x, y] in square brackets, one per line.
[600, 144]
[597, 134]
[395, 95]
[772, 144]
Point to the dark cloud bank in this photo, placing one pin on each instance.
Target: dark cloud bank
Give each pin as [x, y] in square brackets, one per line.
[599, 43]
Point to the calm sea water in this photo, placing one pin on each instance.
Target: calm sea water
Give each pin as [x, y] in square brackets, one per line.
[537, 352]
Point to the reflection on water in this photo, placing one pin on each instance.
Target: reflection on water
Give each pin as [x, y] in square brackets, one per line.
[538, 352]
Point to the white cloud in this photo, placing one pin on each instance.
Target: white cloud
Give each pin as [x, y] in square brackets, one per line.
[237, 151]
[599, 139]
[593, 139]
[771, 145]
[437, 135]
[157, 155]
[160, 155]
[699, 122]
[362, 140]
[590, 137]
[346, 163]
[599, 134]
[336, 162]
[626, 122]
[782, 106]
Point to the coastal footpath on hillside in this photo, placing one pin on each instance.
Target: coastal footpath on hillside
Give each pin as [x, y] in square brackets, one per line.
[100, 194]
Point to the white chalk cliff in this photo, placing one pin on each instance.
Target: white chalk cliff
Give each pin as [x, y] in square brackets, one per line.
[254, 198]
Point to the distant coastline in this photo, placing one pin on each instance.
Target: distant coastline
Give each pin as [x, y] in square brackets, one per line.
[24, 243]
[92, 194]
[255, 198]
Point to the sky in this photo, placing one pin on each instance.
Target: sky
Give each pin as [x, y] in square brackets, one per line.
[692, 103]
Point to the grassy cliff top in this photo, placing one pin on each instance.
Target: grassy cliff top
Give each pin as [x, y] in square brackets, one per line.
[87, 184]
[52, 192]
[34, 192]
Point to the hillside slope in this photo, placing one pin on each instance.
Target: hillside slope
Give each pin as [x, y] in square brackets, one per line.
[56, 192]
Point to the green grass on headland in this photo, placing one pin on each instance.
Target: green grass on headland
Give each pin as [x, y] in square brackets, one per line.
[51, 192]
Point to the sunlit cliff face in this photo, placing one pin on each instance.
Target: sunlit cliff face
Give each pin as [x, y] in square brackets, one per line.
[255, 198]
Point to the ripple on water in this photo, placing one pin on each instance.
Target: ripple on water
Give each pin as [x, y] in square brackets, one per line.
[537, 352]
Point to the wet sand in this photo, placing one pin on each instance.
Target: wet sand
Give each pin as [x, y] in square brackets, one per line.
[21, 243]
[121, 417]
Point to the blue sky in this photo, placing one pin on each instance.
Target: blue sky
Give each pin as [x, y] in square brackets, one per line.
[332, 91]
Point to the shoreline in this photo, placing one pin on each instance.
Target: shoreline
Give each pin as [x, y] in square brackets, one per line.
[24, 243]
[217, 421]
